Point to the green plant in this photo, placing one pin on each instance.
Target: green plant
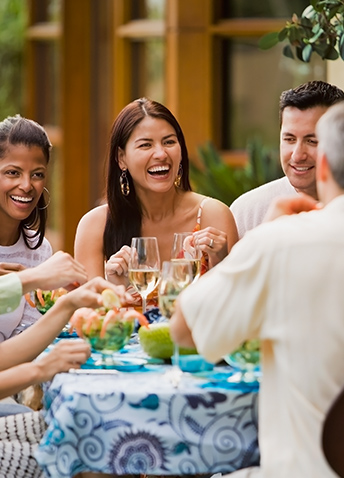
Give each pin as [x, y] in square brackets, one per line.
[13, 18]
[213, 177]
[319, 29]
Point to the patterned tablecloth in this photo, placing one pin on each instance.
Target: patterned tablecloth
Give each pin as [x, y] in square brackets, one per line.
[130, 423]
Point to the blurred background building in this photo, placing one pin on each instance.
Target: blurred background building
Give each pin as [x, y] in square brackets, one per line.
[82, 61]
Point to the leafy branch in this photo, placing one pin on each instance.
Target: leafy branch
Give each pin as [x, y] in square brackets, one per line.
[319, 29]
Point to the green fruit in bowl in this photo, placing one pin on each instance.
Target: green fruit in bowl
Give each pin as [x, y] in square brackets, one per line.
[157, 343]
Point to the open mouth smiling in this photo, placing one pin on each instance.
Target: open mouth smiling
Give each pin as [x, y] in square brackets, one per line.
[159, 170]
[22, 199]
[302, 169]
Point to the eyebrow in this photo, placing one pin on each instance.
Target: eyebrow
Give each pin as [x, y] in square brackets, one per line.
[151, 139]
[310, 135]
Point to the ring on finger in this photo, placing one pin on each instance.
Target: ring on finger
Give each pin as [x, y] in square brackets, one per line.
[211, 243]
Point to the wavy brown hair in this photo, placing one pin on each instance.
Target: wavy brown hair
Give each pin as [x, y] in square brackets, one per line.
[124, 219]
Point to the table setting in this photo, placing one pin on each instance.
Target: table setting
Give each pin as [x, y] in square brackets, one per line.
[141, 405]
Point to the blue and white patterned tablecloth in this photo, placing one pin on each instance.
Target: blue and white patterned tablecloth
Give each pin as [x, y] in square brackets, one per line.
[132, 423]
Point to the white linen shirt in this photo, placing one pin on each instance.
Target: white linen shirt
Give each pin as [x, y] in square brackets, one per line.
[283, 282]
[250, 208]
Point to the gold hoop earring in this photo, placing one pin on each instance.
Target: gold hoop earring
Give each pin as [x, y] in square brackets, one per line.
[124, 183]
[49, 199]
[178, 180]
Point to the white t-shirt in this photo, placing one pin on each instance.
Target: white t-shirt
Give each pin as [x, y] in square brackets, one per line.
[24, 315]
[282, 282]
[250, 208]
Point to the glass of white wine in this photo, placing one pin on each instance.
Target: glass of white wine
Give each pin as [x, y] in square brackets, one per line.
[144, 266]
[175, 276]
[184, 249]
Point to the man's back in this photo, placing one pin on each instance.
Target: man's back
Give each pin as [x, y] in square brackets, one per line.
[283, 283]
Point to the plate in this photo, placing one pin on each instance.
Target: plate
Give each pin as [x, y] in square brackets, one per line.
[128, 364]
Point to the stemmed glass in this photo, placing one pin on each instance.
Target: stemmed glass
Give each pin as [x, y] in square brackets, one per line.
[184, 249]
[175, 276]
[246, 359]
[144, 266]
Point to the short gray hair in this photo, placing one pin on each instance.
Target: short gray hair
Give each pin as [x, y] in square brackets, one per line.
[330, 134]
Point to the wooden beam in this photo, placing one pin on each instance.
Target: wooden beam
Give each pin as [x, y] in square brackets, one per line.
[75, 120]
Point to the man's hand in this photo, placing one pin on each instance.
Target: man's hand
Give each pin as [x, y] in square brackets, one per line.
[179, 330]
[65, 355]
[287, 206]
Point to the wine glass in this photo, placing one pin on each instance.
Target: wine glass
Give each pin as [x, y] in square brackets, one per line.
[144, 266]
[175, 276]
[245, 359]
[183, 248]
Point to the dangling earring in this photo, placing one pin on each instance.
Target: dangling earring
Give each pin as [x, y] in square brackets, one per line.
[178, 180]
[124, 183]
[49, 198]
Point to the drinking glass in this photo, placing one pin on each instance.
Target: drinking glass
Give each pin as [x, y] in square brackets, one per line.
[245, 359]
[175, 276]
[183, 249]
[144, 266]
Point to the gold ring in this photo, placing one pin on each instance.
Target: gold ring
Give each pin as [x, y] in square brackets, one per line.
[211, 243]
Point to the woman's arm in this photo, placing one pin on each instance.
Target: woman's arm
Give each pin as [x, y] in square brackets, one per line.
[30, 343]
[88, 245]
[65, 355]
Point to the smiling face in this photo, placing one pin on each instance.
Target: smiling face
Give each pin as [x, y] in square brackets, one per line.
[22, 180]
[152, 155]
[298, 147]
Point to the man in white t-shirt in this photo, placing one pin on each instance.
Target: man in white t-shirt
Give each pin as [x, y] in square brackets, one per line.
[283, 283]
[299, 110]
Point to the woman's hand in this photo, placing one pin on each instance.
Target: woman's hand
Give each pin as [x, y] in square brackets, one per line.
[65, 355]
[214, 242]
[89, 294]
[60, 270]
[7, 267]
[116, 268]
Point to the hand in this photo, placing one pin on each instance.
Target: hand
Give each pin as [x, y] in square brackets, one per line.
[7, 267]
[214, 242]
[287, 206]
[116, 268]
[65, 355]
[60, 270]
[89, 294]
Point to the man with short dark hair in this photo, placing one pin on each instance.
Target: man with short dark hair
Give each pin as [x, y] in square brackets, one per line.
[299, 110]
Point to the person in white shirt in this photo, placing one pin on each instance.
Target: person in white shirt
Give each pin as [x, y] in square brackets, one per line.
[299, 110]
[283, 283]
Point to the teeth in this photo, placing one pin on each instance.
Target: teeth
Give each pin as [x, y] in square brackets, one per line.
[157, 169]
[302, 169]
[21, 199]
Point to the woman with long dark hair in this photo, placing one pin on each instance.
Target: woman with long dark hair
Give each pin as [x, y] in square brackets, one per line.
[149, 194]
[24, 157]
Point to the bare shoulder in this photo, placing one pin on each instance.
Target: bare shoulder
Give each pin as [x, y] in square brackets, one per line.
[213, 206]
[90, 229]
[95, 218]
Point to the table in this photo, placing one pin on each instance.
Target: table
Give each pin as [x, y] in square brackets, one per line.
[138, 422]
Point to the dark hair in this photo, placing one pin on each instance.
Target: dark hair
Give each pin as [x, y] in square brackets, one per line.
[309, 95]
[124, 217]
[16, 130]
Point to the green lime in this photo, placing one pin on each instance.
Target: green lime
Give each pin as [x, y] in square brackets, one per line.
[156, 341]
